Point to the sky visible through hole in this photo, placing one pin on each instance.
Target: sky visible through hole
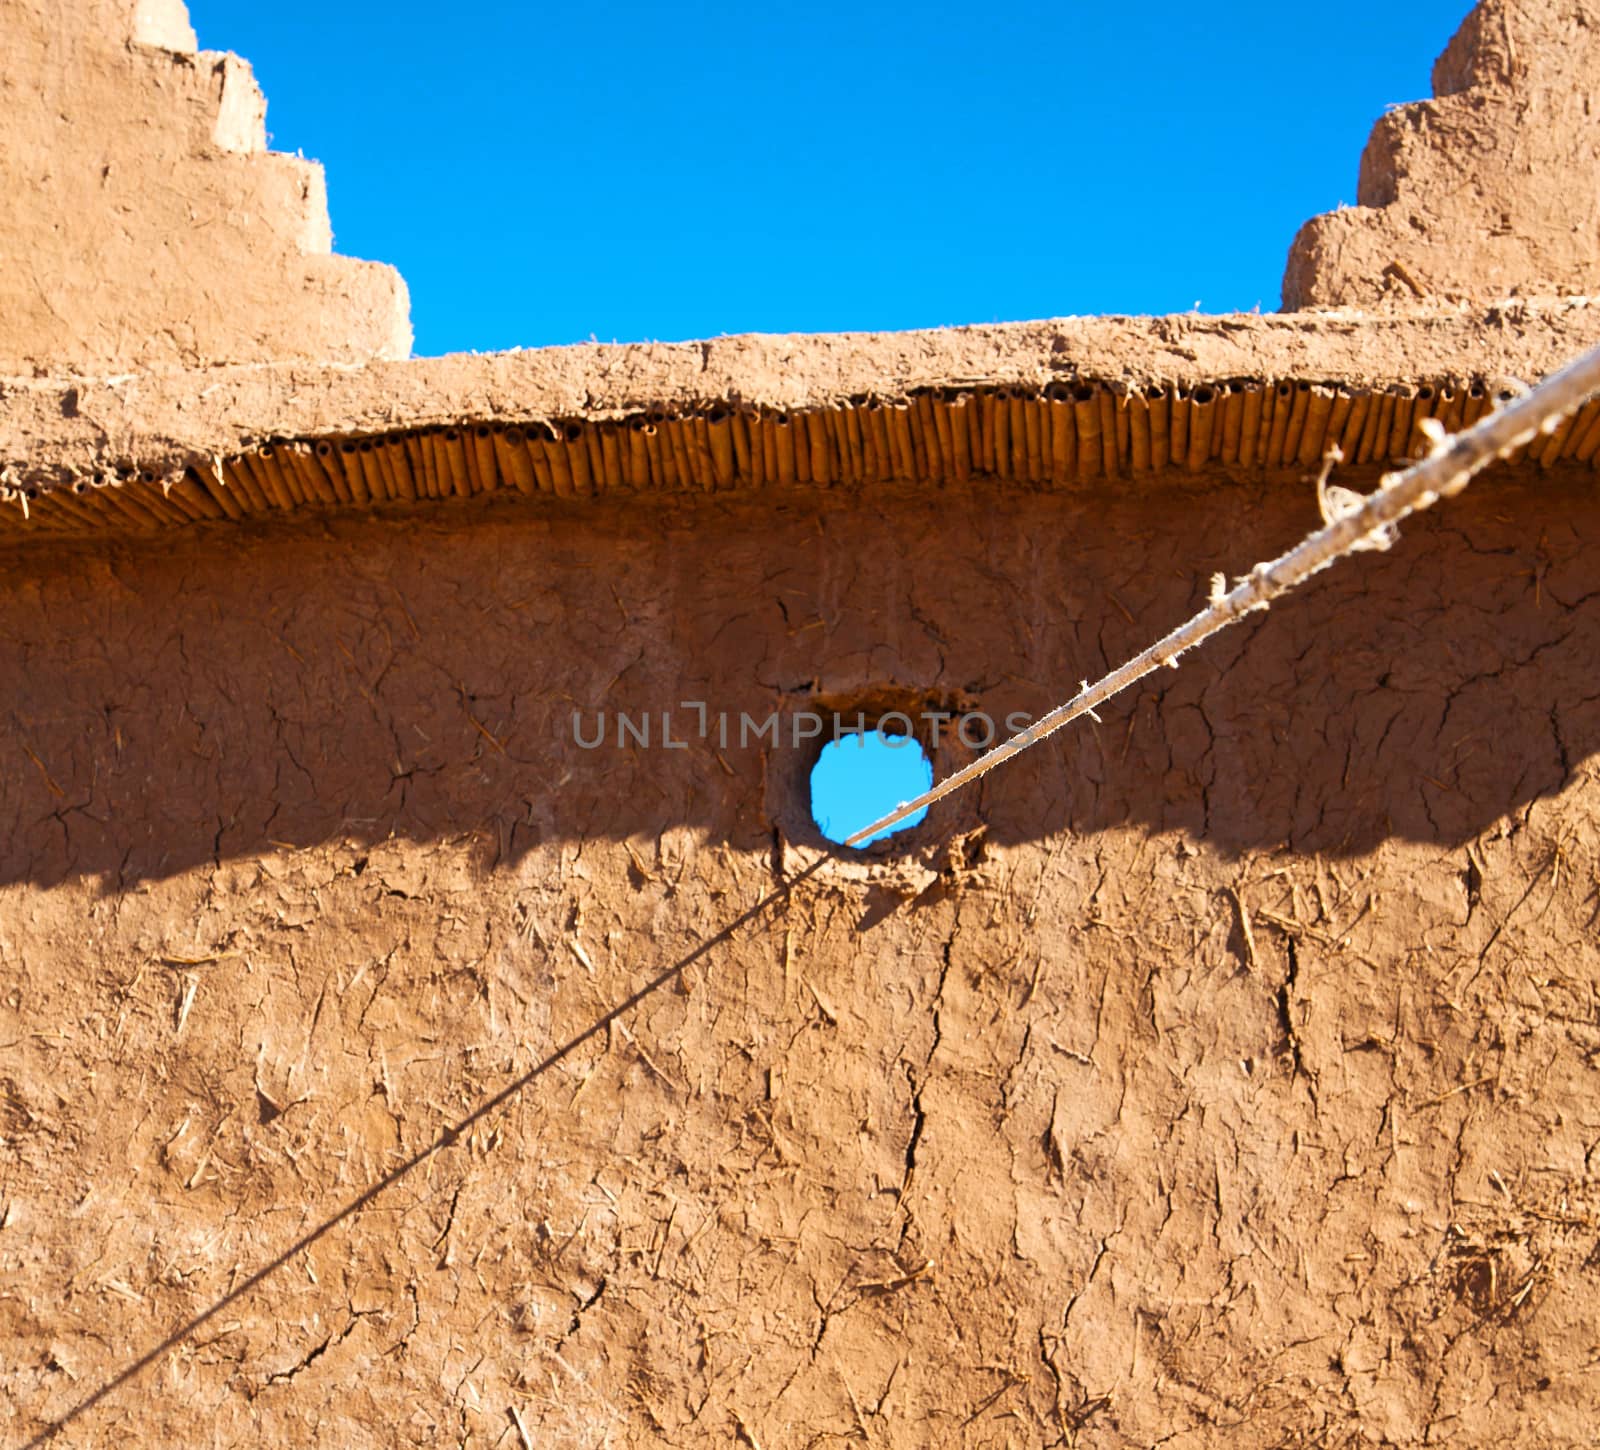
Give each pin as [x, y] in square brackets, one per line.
[859, 778]
[544, 173]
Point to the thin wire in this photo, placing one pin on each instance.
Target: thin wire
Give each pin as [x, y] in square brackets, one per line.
[1447, 469]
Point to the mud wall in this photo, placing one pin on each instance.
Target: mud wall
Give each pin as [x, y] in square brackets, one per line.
[1229, 1079]
[149, 224]
[1489, 190]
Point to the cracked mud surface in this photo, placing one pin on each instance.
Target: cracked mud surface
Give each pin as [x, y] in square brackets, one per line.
[1235, 1086]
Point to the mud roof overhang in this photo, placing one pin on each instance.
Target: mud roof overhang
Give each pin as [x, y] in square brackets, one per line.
[1068, 402]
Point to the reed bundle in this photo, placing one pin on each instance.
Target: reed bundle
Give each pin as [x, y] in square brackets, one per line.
[1058, 435]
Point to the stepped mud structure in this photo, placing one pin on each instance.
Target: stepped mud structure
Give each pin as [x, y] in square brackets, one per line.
[1220, 1074]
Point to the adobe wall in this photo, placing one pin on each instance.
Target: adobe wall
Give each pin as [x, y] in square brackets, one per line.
[1222, 1072]
[1489, 190]
[150, 226]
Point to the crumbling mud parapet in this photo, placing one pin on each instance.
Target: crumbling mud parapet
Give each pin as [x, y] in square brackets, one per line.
[1490, 190]
[150, 226]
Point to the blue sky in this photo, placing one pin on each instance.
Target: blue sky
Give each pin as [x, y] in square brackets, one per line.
[547, 173]
[860, 778]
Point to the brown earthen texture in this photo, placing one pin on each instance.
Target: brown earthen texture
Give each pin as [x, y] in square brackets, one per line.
[149, 226]
[1065, 435]
[62, 432]
[1223, 1074]
[1489, 190]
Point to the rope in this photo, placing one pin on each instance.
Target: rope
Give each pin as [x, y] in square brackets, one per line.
[1447, 469]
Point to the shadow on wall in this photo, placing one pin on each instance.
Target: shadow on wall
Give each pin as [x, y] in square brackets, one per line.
[239, 691]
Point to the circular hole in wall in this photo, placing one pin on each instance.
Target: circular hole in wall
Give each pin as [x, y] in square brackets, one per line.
[862, 776]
